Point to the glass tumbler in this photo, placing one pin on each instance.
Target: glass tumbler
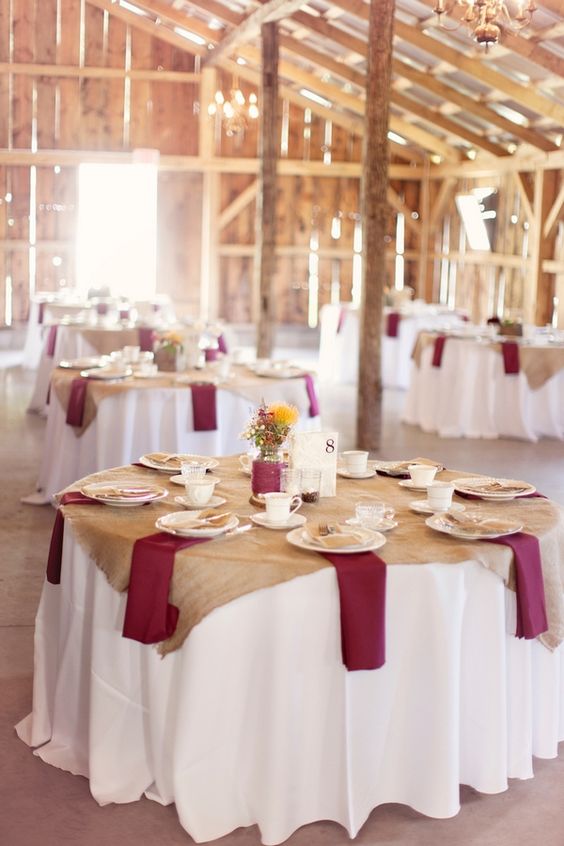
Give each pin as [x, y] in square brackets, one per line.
[310, 484]
[291, 480]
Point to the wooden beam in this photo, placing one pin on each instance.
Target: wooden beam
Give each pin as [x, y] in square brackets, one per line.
[323, 61]
[554, 215]
[75, 72]
[399, 206]
[209, 265]
[249, 28]
[523, 195]
[425, 267]
[443, 197]
[525, 163]
[375, 212]
[240, 202]
[266, 197]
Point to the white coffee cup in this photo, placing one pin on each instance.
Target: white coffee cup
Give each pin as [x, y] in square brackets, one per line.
[199, 491]
[439, 495]
[131, 354]
[422, 474]
[280, 506]
[355, 460]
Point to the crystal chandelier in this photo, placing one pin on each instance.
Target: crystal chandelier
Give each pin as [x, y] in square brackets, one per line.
[235, 111]
[485, 17]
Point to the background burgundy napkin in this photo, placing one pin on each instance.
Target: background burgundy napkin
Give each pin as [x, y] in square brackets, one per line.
[362, 594]
[149, 616]
[204, 407]
[438, 350]
[312, 396]
[77, 398]
[146, 337]
[392, 324]
[56, 545]
[51, 341]
[510, 353]
[211, 354]
[41, 313]
[341, 320]
[531, 608]
[222, 344]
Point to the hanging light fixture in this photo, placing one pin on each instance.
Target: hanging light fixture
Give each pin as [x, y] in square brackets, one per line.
[234, 111]
[484, 18]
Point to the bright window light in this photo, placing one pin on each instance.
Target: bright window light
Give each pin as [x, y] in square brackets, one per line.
[191, 36]
[311, 95]
[131, 8]
[393, 136]
[117, 228]
[469, 210]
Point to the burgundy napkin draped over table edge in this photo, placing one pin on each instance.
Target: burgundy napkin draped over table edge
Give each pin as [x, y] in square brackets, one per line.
[77, 400]
[361, 578]
[146, 338]
[204, 408]
[51, 341]
[312, 396]
[392, 324]
[438, 350]
[341, 320]
[56, 545]
[149, 616]
[531, 608]
[510, 353]
[222, 344]
[41, 313]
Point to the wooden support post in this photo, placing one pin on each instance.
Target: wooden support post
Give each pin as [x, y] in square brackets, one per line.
[425, 274]
[209, 266]
[539, 290]
[266, 197]
[375, 212]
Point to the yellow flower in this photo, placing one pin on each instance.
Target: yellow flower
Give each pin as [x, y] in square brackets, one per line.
[284, 415]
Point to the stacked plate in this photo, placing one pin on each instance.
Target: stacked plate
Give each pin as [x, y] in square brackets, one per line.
[124, 494]
[490, 488]
[171, 462]
[472, 527]
[198, 524]
[349, 540]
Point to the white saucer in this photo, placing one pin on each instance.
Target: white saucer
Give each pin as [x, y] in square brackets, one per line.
[180, 480]
[367, 474]
[407, 483]
[423, 507]
[294, 521]
[214, 502]
[383, 526]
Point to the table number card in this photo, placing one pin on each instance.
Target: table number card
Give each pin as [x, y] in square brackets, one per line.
[317, 450]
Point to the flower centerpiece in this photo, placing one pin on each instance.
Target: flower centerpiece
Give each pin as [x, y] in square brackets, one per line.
[169, 350]
[268, 430]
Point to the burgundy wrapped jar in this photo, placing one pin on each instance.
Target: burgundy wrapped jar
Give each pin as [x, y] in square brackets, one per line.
[266, 471]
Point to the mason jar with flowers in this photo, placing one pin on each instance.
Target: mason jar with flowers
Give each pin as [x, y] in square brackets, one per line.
[268, 430]
[169, 351]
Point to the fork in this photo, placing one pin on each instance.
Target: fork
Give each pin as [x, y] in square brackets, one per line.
[325, 529]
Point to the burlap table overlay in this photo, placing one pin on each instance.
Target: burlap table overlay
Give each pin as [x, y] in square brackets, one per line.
[212, 574]
[423, 340]
[539, 364]
[106, 341]
[242, 383]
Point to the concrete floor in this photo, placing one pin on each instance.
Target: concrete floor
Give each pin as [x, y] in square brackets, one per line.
[42, 806]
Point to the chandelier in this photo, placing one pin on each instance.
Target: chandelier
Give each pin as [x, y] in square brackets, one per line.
[485, 17]
[234, 111]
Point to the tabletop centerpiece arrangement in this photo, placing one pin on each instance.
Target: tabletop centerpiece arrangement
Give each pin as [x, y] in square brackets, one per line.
[169, 351]
[268, 429]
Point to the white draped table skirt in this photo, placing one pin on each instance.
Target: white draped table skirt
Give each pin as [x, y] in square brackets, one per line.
[256, 721]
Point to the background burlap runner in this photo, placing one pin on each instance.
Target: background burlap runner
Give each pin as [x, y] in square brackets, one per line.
[211, 574]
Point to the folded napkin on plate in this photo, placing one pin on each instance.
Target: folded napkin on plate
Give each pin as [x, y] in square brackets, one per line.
[204, 412]
[479, 525]
[164, 458]
[337, 537]
[210, 518]
[77, 401]
[149, 616]
[438, 350]
[56, 546]
[116, 491]
[510, 353]
[312, 396]
[399, 469]
[499, 487]
[392, 324]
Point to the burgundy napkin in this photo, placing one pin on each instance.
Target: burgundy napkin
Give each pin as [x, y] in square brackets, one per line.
[41, 313]
[438, 350]
[393, 475]
[510, 353]
[51, 341]
[312, 396]
[145, 338]
[56, 545]
[493, 321]
[77, 399]
[204, 407]
[341, 320]
[212, 354]
[124, 313]
[531, 609]
[149, 616]
[362, 594]
[222, 344]
[102, 309]
[392, 324]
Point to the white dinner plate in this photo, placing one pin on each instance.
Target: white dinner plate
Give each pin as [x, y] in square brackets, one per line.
[107, 374]
[471, 485]
[147, 493]
[410, 485]
[281, 372]
[299, 537]
[214, 502]
[174, 466]
[384, 525]
[87, 362]
[180, 480]
[294, 521]
[438, 523]
[185, 524]
[399, 468]
[423, 507]
[366, 474]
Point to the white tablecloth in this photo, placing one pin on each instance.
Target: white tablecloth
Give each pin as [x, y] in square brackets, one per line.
[47, 309]
[339, 350]
[149, 419]
[255, 720]
[470, 395]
